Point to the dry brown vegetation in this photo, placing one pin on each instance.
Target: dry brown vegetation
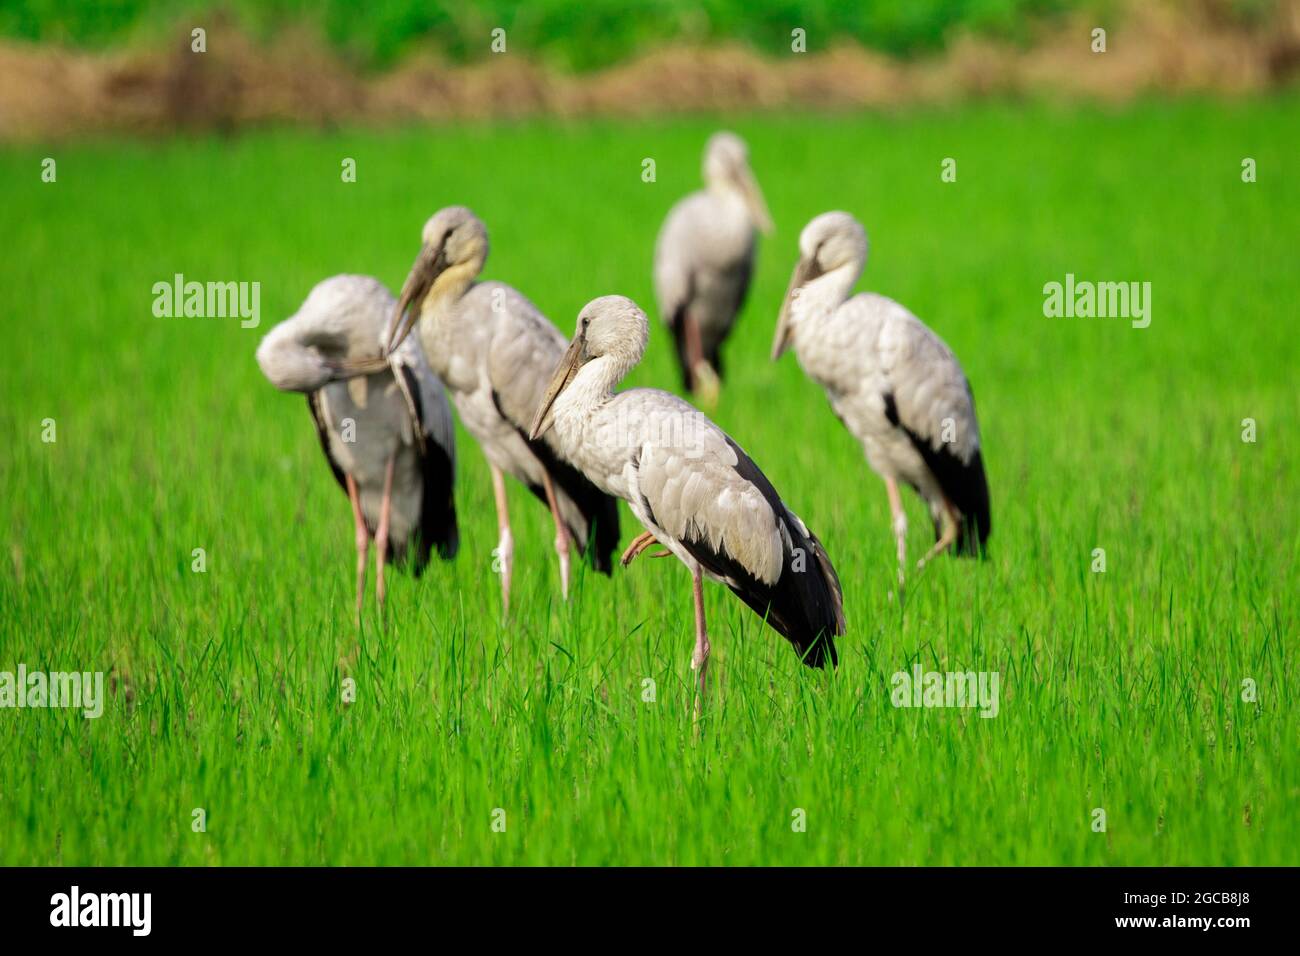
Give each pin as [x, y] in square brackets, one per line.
[1153, 48]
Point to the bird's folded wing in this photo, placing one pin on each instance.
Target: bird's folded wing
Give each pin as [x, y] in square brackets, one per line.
[930, 394]
[691, 479]
[425, 396]
[523, 353]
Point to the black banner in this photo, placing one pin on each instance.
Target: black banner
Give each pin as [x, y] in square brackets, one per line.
[332, 906]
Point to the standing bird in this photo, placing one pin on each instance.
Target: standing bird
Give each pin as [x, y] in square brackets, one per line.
[704, 259]
[494, 350]
[387, 435]
[893, 383]
[694, 489]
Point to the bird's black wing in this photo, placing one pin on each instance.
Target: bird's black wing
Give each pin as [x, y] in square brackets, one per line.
[322, 432]
[677, 324]
[962, 482]
[805, 604]
[438, 526]
[744, 274]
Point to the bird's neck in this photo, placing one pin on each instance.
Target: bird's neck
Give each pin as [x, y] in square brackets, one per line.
[590, 389]
[724, 188]
[450, 285]
[437, 328]
[823, 295]
[729, 195]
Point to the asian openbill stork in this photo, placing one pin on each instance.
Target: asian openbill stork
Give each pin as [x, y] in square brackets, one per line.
[494, 349]
[690, 484]
[387, 435]
[704, 259]
[893, 383]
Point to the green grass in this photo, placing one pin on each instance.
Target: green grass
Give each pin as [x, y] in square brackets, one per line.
[1120, 690]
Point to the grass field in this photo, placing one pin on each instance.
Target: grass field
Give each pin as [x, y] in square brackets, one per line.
[1120, 690]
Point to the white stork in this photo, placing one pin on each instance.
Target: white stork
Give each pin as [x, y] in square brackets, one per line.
[704, 259]
[494, 349]
[893, 383]
[694, 489]
[387, 435]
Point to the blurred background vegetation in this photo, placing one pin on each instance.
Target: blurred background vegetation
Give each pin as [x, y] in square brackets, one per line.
[566, 34]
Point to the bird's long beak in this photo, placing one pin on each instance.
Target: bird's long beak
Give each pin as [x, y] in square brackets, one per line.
[804, 272]
[351, 368]
[754, 200]
[429, 264]
[564, 374]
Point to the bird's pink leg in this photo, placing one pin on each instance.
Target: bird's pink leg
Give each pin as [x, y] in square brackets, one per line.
[381, 533]
[700, 659]
[639, 544]
[505, 551]
[900, 525]
[951, 521]
[704, 377]
[561, 534]
[363, 542]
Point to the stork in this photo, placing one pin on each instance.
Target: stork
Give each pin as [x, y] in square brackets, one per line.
[691, 486]
[387, 435]
[704, 259]
[494, 349]
[893, 383]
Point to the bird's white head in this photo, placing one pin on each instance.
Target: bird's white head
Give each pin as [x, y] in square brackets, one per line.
[833, 242]
[454, 246]
[610, 338]
[615, 326]
[458, 233]
[726, 167]
[335, 334]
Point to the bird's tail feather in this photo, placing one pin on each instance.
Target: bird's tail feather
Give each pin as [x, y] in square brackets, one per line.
[714, 357]
[976, 522]
[438, 526]
[823, 612]
[805, 605]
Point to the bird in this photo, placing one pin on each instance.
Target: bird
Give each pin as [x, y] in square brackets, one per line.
[384, 424]
[704, 259]
[893, 383]
[691, 486]
[493, 348]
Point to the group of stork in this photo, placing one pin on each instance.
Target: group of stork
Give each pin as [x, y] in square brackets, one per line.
[547, 413]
